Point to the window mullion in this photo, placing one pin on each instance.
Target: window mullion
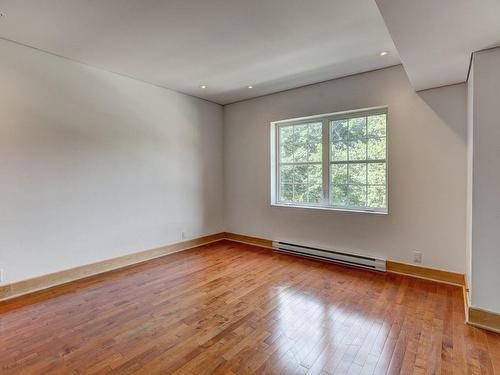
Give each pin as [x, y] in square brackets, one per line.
[325, 139]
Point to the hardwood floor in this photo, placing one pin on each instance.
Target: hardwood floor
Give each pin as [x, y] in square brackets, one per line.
[230, 308]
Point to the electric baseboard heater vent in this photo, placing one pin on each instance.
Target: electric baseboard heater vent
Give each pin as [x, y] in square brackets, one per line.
[330, 256]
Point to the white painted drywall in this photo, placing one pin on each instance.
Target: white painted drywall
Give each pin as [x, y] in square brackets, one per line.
[226, 45]
[485, 291]
[94, 165]
[435, 39]
[468, 218]
[427, 170]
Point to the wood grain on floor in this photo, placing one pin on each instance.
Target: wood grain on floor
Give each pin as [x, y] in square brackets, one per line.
[231, 308]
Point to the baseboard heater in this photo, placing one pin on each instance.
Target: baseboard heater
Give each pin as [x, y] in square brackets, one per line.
[330, 256]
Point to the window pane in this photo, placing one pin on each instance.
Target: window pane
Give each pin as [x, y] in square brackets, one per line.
[315, 132]
[376, 174]
[286, 153]
[376, 197]
[357, 174]
[286, 192]
[338, 195]
[299, 192]
[357, 127]
[300, 174]
[306, 186]
[376, 126]
[314, 174]
[286, 174]
[338, 174]
[357, 149]
[307, 174]
[300, 143]
[357, 196]
[286, 134]
[300, 133]
[338, 130]
[287, 145]
[314, 193]
[315, 151]
[376, 148]
[339, 151]
[300, 154]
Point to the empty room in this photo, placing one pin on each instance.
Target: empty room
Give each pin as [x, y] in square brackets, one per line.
[249, 187]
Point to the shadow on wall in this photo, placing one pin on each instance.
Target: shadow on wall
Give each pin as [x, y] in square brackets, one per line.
[442, 101]
[96, 165]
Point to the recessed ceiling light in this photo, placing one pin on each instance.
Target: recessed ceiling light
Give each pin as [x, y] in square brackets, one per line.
[203, 86]
[383, 53]
[250, 87]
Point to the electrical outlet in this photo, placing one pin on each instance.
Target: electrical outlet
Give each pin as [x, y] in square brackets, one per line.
[417, 257]
[183, 235]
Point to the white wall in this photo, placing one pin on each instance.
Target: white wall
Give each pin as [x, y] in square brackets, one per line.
[94, 165]
[485, 218]
[427, 170]
[468, 218]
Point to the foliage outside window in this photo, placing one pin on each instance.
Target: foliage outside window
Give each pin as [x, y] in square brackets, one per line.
[334, 161]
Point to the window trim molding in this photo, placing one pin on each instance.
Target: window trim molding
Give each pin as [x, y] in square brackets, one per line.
[326, 119]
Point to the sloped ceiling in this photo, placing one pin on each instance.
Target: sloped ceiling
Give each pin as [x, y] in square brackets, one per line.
[435, 38]
[227, 45]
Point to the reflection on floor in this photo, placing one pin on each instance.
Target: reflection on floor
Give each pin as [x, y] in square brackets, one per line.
[229, 308]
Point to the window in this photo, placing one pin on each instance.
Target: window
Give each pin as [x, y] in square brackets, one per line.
[335, 161]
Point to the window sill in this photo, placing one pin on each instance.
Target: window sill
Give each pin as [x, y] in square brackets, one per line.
[328, 208]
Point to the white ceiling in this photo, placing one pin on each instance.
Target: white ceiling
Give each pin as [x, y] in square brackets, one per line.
[435, 38]
[225, 44]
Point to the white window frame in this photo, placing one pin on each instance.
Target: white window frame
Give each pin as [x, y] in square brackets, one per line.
[325, 119]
